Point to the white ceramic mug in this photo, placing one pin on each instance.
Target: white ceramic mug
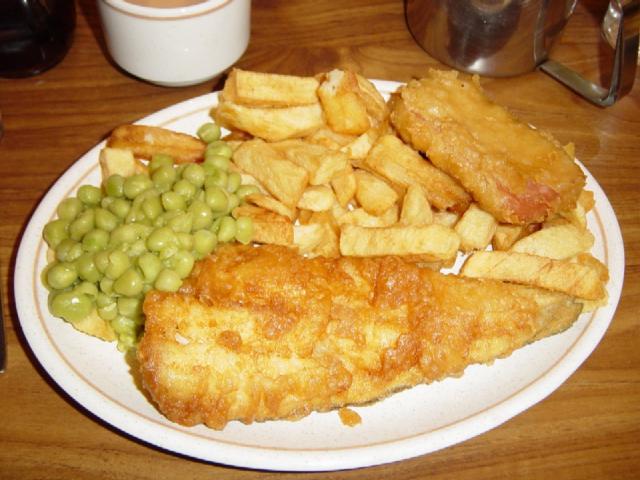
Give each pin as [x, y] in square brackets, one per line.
[176, 46]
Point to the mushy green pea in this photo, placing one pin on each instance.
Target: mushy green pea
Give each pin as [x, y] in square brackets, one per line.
[137, 233]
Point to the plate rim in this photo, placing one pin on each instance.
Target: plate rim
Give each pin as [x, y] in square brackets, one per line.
[266, 458]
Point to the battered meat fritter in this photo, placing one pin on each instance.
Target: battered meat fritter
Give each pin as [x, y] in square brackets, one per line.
[262, 333]
[516, 173]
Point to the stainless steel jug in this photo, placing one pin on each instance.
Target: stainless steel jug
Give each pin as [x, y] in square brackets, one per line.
[511, 37]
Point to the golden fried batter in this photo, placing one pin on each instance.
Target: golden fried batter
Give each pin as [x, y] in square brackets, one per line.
[514, 172]
[263, 333]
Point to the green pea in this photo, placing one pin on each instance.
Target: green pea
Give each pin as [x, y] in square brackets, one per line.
[164, 176]
[130, 283]
[204, 241]
[71, 306]
[136, 184]
[118, 263]
[87, 269]
[181, 223]
[216, 199]
[194, 174]
[209, 132]
[227, 230]
[135, 215]
[120, 207]
[114, 186]
[150, 265]
[168, 281]
[152, 207]
[168, 251]
[95, 240]
[108, 312]
[62, 275]
[185, 189]
[244, 230]
[88, 288]
[69, 208]
[218, 148]
[123, 325]
[182, 262]
[245, 190]
[68, 250]
[233, 181]
[104, 300]
[232, 202]
[160, 160]
[125, 233]
[106, 285]
[105, 220]
[89, 195]
[82, 225]
[215, 225]
[160, 238]
[137, 248]
[202, 214]
[185, 240]
[101, 260]
[217, 178]
[130, 307]
[172, 201]
[55, 231]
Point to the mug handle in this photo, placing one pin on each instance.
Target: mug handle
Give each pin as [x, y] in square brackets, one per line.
[624, 61]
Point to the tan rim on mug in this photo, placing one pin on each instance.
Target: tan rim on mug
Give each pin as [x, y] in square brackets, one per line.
[510, 37]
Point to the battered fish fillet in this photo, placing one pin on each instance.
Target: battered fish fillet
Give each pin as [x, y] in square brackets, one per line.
[262, 333]
[514, 172]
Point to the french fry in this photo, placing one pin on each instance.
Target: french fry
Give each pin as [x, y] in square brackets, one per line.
[445, 218]
[361, 218]
[95, 326]
[283, 179]
[575, 279]
[557, 242]
[430, 242]
[325, 137]
[268, 227]
[374, 194]
[475, 228]
[118, 161]
[358, 149]
[271, 124]
[506, 235]
[307, 237]
[145, 141]
[415, 207]
[345, 110]
[344, 186]
[259, 89]
[317, 198]
[271, 204]
[321, 163]
[403, 166]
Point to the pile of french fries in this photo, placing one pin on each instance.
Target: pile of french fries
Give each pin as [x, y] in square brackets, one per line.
[335, 180]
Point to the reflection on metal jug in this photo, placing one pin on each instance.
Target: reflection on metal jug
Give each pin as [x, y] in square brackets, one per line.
[511, 37]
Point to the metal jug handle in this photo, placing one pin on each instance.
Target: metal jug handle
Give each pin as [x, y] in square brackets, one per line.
[624, 61]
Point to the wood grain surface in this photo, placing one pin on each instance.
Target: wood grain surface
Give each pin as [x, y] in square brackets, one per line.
[588, 428]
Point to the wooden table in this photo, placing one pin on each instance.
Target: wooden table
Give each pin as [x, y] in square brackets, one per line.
[588, 428]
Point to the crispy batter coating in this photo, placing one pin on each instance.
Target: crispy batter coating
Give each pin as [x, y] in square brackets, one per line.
[262, 333]
[514, 172]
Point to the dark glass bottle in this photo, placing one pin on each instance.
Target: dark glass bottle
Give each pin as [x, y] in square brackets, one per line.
[34, 35]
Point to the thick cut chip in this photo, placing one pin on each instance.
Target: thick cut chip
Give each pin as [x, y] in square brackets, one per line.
[373, 194]
[344, 186]
[558, 242]
[268, 227]
[415, 207]
[269, 89]
[283, 179]
[360, 217]
[145, 141]
[577, 279]
[431, 242]
[118, 161]
[317, 198]
[403, 166]
[322, 163]
[515, 172]
[476, 228]
[271, 204]
[272, 124]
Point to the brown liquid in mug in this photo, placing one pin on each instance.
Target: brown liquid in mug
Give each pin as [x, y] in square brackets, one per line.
[165, 3]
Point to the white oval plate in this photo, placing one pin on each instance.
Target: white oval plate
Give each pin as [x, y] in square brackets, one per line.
[410, 423]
